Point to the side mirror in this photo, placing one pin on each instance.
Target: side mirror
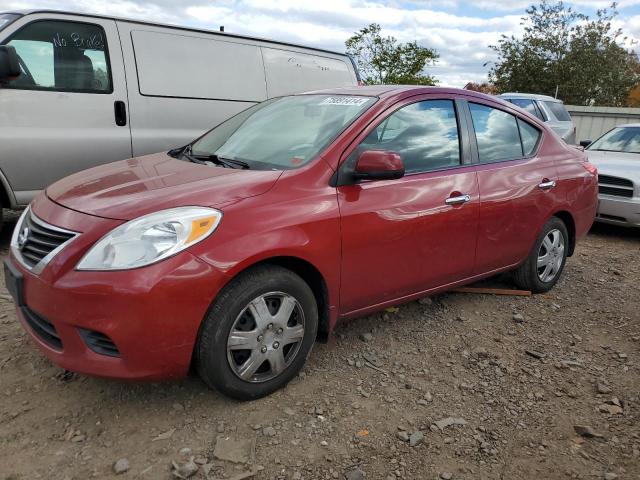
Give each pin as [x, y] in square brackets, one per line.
[9, 64]
[585, 143]
[378, 165]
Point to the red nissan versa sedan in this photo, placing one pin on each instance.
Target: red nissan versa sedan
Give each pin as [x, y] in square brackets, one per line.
[240, 249]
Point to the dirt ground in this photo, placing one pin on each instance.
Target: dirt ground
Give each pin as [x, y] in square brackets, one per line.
[484, 387]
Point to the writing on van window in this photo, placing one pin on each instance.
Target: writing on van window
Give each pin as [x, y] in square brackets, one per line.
[314, 62]
[75, 39]
[357, 101]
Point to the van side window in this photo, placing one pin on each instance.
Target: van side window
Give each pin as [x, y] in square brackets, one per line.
[497, 134]
[424, 134]
[62, 56]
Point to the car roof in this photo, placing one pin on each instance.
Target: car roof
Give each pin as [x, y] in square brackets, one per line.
[23, 12]
[384, 91]
[532, 96]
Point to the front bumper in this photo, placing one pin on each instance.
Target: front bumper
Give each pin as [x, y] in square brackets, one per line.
[618, 211]
[133, 324]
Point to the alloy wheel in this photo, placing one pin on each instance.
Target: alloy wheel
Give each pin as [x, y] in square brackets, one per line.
[265, 337]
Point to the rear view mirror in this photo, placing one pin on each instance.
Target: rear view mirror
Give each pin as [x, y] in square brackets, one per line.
[378, 165]
[9, 64]
[585, 143]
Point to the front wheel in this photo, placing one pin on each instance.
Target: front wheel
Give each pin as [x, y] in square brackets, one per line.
[542, 268]
[258, 333]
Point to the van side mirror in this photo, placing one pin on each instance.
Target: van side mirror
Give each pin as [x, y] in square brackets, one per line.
[9, 64]
[585, 143]
[378, 165]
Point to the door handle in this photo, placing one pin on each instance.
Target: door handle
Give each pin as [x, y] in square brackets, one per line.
[457, 200]
[120, 111]
[547, 184]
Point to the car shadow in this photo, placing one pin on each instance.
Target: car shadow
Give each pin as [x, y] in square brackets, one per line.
[615, 231]
[10, 219]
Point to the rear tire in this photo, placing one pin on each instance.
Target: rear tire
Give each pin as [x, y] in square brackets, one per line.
[544, 265]
[258, 333]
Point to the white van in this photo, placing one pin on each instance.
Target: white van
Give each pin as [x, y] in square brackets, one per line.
[94, 89]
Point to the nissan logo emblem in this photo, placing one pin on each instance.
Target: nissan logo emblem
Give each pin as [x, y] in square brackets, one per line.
[22, 237]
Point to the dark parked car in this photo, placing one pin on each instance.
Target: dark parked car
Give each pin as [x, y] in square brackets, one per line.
[239, 250]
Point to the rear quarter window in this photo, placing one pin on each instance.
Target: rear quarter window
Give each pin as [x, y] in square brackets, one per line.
[530, 136]
[559, 111]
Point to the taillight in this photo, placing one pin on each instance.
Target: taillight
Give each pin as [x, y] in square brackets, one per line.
[591, 168]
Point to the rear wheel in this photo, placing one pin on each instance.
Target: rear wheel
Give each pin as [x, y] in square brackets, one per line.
[258, 333]
[542, 269]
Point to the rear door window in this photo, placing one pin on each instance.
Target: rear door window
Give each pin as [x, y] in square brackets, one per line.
[558, 110]
[497, 134]
[62, 56]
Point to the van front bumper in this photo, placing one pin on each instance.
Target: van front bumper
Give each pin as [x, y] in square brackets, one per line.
[618, 210]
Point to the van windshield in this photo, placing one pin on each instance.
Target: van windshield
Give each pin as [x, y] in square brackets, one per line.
[7, 18]
[282, 133]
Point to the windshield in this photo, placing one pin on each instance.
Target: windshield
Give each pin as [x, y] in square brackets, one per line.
[282, 133]
[622, 139]
[6, 19]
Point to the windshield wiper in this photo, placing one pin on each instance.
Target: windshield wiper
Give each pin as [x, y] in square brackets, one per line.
[186, 153]
[228, 162]
[212, 159]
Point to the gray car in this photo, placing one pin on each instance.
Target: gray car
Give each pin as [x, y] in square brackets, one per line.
[617, 156]
[548, 109]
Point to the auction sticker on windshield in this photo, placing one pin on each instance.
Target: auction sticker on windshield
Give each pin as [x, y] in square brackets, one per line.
[345, 101]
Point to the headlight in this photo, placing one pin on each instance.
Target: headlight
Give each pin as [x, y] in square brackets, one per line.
[151, 238]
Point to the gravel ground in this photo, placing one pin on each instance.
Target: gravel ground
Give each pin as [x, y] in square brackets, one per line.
[455, 386]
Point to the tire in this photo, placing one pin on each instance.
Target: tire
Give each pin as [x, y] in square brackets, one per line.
[542, 279]
[255, 306]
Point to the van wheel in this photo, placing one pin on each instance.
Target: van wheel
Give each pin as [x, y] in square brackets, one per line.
[542, 269]
[258, 333]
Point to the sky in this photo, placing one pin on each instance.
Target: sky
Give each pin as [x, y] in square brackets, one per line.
[461, 31]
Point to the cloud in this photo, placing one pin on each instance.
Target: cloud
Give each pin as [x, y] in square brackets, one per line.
[461, 31]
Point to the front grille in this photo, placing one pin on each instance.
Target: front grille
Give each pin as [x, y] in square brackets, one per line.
[620, 187]
[37, 239]
[99, 343]
[42, 328]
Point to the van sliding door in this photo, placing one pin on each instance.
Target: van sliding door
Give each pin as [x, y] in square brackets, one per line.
[182, 83]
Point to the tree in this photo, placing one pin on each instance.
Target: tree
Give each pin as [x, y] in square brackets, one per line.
[634, 97]
[384, 60]
[564, 52]
[485, 87]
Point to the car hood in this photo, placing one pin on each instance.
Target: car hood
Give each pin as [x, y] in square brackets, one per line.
[130, 188]
[618, 164]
